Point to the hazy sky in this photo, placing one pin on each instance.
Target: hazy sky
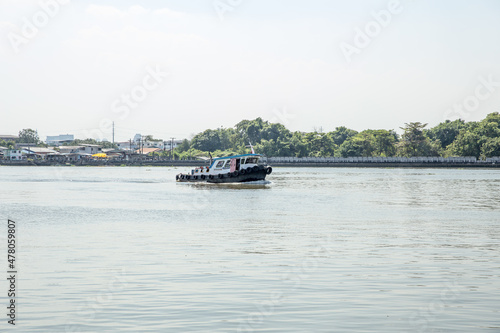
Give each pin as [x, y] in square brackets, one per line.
[174, 68]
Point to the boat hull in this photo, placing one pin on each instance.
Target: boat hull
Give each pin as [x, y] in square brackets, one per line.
[248, 176]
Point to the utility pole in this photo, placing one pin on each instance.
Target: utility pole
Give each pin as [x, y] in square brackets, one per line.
[172, 147]
[142, 147]
[113, 132]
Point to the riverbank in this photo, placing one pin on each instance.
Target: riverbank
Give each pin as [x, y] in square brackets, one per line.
[330, 162]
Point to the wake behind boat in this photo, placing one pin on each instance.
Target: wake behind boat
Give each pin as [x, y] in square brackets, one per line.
[230, 169]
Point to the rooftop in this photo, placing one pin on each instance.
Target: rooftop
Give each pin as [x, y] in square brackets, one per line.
[41, 150]
[146, 151]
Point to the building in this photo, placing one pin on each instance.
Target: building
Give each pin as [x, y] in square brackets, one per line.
[154, 144]
[57, 140]
[81, 149]
[9, 137]
[2, 151]
[40, 152]
[169, 145]
[15, 154]
[146, 151]
[126, 145]
[141, 142]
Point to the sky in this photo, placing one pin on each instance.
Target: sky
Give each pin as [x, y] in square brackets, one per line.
[174, 68]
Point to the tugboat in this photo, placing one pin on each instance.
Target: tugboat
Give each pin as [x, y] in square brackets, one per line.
[230, 169]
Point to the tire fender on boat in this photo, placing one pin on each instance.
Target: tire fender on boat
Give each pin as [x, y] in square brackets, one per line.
[236, 173]
[220, 175]
[242, 171]
[269, 170]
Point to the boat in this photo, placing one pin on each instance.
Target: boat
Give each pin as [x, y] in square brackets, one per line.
[229, 169]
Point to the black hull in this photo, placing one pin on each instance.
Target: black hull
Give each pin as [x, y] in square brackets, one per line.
[230, 178]
[252, 177]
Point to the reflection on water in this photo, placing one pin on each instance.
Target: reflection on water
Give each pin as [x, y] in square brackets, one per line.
[320, 250]
[259, 184]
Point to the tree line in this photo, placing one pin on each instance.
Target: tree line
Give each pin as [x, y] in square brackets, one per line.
[449, 138]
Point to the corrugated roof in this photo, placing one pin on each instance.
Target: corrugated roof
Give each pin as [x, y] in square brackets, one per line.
[148, 150]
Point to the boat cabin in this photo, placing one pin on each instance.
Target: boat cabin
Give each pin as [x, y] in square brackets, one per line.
[234, 163]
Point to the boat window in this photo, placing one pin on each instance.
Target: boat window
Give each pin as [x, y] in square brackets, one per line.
[228, 164]
[251, 160]
[219, 164]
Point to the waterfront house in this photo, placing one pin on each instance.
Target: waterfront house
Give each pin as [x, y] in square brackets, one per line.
[149, 151]
[15, 154]
[146, 151]
[39, 152]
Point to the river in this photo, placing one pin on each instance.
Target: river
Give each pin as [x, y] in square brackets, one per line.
[126, 249]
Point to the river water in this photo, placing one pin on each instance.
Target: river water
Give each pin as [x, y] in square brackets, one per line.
[119, 249]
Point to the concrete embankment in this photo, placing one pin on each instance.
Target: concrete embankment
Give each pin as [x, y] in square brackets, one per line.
[385, 165]
[332, 162]
[385, 162]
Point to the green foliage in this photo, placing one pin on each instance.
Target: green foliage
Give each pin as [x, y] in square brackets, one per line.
[491, 147]
[184, 146]
[466, 144]
[341, 134]
[7, 144]
[28, 135]
[449, 138]
[208, 140]
[370, 143]
[480, 139]
[446, 132]
[414, 142]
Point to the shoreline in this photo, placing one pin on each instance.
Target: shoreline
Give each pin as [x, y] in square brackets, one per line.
[301, 164]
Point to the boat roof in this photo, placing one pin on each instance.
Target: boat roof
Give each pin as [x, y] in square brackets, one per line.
[234, 156]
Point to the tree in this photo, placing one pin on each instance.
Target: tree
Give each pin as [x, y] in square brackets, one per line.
[274, 131]
[383, 142]
[415, 143]
[298, 145]
[209, 140]
[7, 144]
[446, 132]
[28, 135]
[184, 146]
[250, 130]
[341, 134]
[491, 147]
[352, 147]
[466, 144]
[319, 144]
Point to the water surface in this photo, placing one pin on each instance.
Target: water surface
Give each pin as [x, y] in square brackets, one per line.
[119, 249]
